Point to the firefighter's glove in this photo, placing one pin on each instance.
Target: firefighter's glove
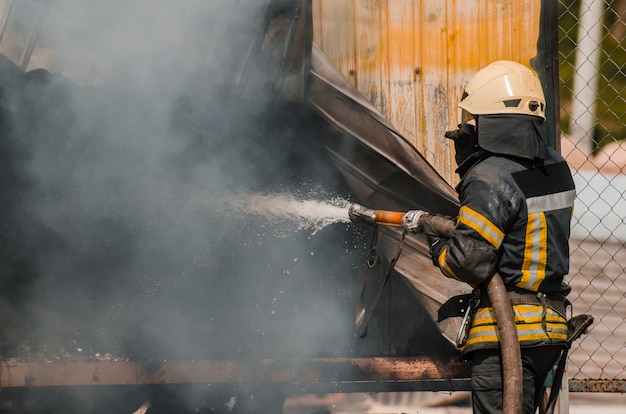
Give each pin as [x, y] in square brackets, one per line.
[436, 243]
[411, 221]
[465, 132]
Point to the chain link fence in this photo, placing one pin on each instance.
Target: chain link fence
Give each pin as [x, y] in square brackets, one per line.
[593, 102]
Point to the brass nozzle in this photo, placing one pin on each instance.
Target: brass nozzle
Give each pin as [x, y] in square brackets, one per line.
[360, 214]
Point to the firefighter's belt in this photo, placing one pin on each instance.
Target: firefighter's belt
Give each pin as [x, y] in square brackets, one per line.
[456, 306]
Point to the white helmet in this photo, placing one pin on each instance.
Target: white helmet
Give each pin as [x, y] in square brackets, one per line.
[504, 87]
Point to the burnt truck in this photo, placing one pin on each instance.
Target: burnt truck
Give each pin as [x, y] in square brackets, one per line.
[126, 277]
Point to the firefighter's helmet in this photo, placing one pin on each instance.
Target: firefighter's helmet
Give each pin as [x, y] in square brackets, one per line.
[504, 87]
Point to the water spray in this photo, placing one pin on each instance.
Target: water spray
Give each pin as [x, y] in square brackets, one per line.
[286, 209]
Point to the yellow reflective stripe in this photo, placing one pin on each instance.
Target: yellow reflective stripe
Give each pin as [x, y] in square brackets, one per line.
[537, 334]
[443, 265]
[528, 323]
[484, 334]
[481, 225]
[484, 316]
[535, 252]
[523, 313]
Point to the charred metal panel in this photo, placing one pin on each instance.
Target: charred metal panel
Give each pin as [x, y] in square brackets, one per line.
[314, 375]
[411, 58]
[243, 47]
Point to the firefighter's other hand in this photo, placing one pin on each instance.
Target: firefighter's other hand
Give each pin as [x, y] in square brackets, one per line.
[411, 221]
[436, 243]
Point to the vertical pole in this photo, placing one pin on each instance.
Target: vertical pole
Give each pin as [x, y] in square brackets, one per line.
[6, 19]
[585, 89]
[42, 13]
[546, 64]
[564, 394]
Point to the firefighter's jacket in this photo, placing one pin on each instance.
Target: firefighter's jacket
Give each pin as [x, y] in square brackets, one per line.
[515, 220]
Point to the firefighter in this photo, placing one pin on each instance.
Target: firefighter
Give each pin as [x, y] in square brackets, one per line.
[517, 197]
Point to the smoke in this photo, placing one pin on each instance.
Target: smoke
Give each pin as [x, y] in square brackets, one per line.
[161, 201]
[115, 158]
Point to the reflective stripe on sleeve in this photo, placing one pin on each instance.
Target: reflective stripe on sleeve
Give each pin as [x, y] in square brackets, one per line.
[443, 265]
[481, 225]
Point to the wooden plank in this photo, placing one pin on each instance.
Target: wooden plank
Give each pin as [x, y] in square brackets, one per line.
[370, 51]
[400, 77]
[334, 33]
[435, 100]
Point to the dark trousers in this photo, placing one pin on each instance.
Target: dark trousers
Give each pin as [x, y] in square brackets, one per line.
[487, 377]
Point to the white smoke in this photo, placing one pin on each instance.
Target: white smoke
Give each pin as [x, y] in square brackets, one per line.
[122, 154]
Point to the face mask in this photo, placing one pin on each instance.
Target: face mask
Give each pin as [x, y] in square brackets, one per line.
[465, 141]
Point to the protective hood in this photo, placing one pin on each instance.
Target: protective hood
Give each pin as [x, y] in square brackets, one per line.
[516, 135]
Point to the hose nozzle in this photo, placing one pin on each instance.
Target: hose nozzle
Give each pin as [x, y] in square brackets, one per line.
[360, 214]
[409, 220]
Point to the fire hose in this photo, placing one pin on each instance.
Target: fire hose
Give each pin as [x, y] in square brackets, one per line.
[496, 290]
